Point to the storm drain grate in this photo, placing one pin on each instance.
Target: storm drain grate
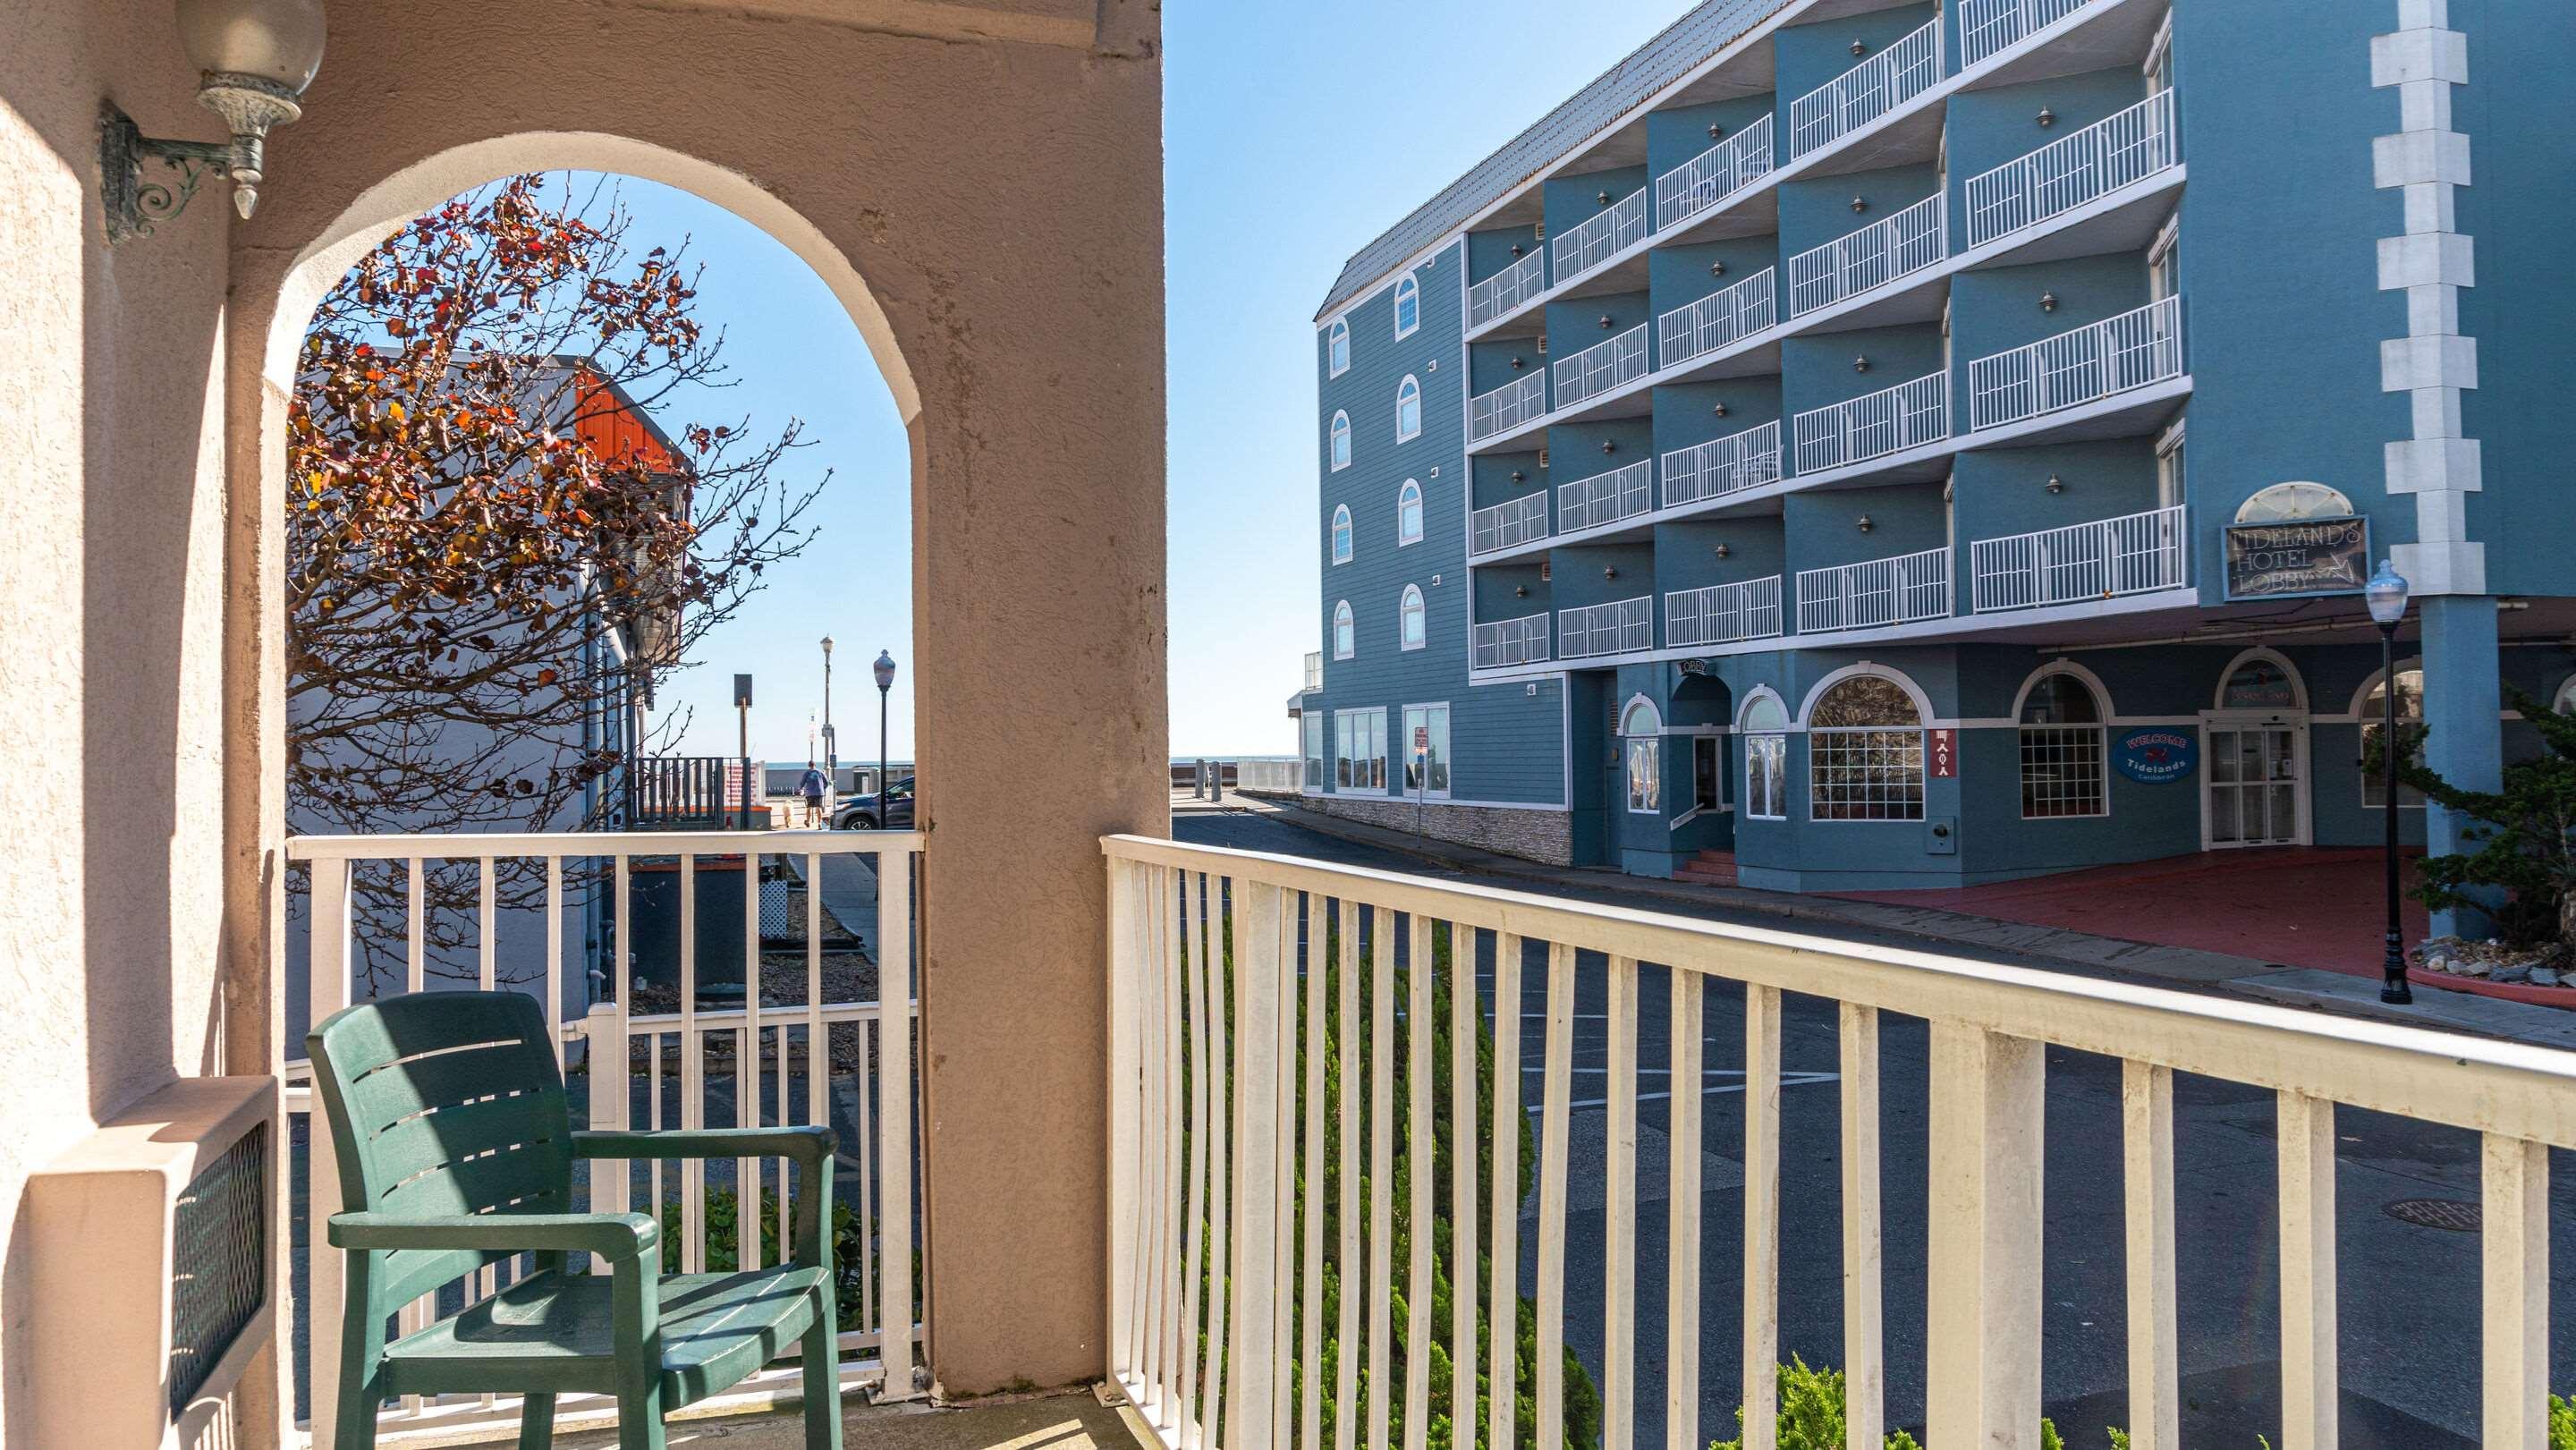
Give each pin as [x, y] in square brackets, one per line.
[2444, 1213]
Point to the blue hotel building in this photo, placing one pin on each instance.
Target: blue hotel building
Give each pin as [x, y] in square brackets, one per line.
[1914, 445]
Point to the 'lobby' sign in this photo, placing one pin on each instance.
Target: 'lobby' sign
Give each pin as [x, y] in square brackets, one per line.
[1942, 754]
[2156, 756]
[2297, 557]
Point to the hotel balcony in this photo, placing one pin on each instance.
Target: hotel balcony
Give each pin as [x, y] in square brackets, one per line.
[2087, 365]
[2107, 559]
[1721, 319]
[1523, 400]
[1874, 425]
[1713, 175]
[1723, 613]
[1511, 641]
[1605, 498]
[2121, 150]
[1903, 590]
[1623, 626]
[1989, 26]
[1601, 367]
[1622, 226]
[1506, 289]
[1867, 91]
[1722, 466]
[1895, 247]
[1507, 525]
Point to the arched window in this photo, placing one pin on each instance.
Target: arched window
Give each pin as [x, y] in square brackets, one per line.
[2565, 700]
[1408, 514]
[1865, 753]
[1765, 729]
[1411, 631]
[1408, 307]
[2410, 718]
[1345, 634]
[1408, 409]
[2260, 682]
[1341, 533]
[1337, 348]
[1641, 732]
[2062, 757]
[1341, 440]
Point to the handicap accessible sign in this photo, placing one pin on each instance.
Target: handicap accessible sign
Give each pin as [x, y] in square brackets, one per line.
[2156, 756]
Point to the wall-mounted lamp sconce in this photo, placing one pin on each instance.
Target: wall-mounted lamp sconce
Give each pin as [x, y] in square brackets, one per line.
[1716, 131]
[2056, 484]
[1859, 49]
[1717, 269]
[2046, 118]
[1517, 364]
[1605, 321]
[1520, 591]
[1717, 410]
[2048, 302]
[1610, 572]
[254, 59]
[1864, 523]
[1722, 551]
[1860, 203]
[1861, 364]
[1609, 445]
[1602, 197]
[1516, 475]
[1516, 249]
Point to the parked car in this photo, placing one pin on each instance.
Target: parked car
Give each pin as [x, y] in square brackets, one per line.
[862, 813]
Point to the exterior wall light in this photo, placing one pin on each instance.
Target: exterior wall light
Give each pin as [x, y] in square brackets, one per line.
[1605, 321]
[1516, 475]
[1610, 571]
[1516, 249]
[1861, 364]
[1860, 203]
[254, 59]
[1717, 411]
[1722, 551]
[1864, 523]
[1517, 364]
[2046, 118]
[2048, 302]
[1715, 131]
[2056, 484]
[1859, 49]
[1520, 591]
[1602, 197]
[1609, 445]
[1717, 269]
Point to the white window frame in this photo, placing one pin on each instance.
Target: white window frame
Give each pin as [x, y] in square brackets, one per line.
[1406, 287]
[2159, 52]
[2369, 717]
[1337, 348]
[1353, 772]
[1412, 615]
[2565, 699]
[1445, 765]
[1341, 544]
[1715, 776]
[1402, 434]
[1311, 740]
[1766, 745]
[1338, 445]
[1877, 780]
[1346, 631]
[1641, 731]
[2172, 481]
[2099, 731]
[1408, 495]
[2168, 238]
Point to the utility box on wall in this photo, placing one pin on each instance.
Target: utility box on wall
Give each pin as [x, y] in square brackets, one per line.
[1941, 835]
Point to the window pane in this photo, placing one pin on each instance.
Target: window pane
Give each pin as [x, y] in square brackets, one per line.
[1865, 700]
[1865, 775]
[2061, 772]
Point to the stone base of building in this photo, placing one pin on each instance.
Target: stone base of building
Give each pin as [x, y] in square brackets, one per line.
[1546, 837]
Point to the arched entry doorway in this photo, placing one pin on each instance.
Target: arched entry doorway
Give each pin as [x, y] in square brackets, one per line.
[2254, 754]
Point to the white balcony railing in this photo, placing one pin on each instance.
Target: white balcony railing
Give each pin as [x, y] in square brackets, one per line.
[1874, 256]
[1507, 407]
[1314, 671]
[1723, 465]
[1605, 498]
[1723, 613]
[1987, 26]
[1621, 226]
[1603, 366]
[2123, 147]
[1713, 175]
[682, 1066]
[1722, 318]
[1511, 641]
[1901, 590]
[1506, 289]
[1623, 626]
[1867, 91]
[1229, 1210]
[2082, 366]
[2104, 559]
[1875, 424]
[1507, 524]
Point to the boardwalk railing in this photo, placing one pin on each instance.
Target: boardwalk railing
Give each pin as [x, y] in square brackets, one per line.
[1725, 465]
[1867, 91]
[1622, 626]
[1603, 366]
[1987, 26]
[1606, 498]
[2105, 559]
[1507, 524]
[1507, 407]
[1723, 613]
[754, 1063]
[1713, 175]
[1901, 590]
[2076, 168]
[1506, 289]
[1874, 256]
[1511, 641]
[1875, 424]
[1726, 316]
[1228, 970]
[1621, 226]
[2082, 366]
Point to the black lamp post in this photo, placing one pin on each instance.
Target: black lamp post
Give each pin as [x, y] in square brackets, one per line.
[831, 742]
[885, 786]
[2386, 595]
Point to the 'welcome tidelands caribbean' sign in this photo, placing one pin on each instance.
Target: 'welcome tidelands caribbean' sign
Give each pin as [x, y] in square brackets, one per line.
[2300, 556]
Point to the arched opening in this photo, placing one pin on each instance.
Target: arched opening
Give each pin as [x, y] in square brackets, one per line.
[1703, 705]
[2254, 747]
[1765, 731]
[2064, 766]
[2370, 709]
[1865, 749]
[1641, 737]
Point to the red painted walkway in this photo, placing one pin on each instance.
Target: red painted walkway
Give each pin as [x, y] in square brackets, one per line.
[2299, 906]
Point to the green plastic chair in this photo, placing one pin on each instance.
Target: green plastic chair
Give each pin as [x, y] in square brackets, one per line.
[456, 1150]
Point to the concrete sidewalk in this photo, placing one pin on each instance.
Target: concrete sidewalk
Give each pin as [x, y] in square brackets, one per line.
[2186, 968]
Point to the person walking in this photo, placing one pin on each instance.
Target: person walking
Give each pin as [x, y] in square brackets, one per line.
[811, 787]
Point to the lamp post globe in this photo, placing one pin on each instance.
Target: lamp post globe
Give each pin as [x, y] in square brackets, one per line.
[884, 669]
[2385, 594]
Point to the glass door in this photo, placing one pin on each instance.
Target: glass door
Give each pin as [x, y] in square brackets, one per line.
[2257, 783]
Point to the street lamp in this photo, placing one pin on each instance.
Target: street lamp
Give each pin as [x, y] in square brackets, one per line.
[2386, 596]
[831, 742]
[885, 786]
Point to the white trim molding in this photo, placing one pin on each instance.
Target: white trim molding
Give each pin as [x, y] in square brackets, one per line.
[2058, 666]
[2428, 160]
[1922, 703]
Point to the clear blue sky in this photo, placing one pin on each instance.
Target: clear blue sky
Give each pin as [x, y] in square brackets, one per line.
[1293, 134]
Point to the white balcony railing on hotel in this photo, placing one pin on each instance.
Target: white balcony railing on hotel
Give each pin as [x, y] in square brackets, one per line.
[2104, 559]
[2066, 173]
[1509, 523]
[1723, 613]
[1229, 1209]
[1314, 670]
[1901, 590]
[1507, 289]
[1511, 641]
[1875, 424]
[1723, 465]
[1713, 175]
[1603, 366]
[1874, 256]
[1506, 407]
[1623, 626]
[685, 1066]
[1726, 316]
[1987, 26]
[1867, 91]
[1606, 498]
[1615, 229]
[2082, 366]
